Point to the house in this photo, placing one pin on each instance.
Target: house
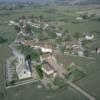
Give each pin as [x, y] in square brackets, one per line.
[36, 25]
[98, 50]
[11, 22]
[22, 69]
[71, 44]
[59, 34]
[88, 36]
[59, 69]
[79, 18]
[74, 47]
[47, 69]
[45, 56]
[45, 26]
[80, 53]
[45, 48]
[27, 42]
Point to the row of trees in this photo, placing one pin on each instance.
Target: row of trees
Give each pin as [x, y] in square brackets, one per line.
[39, 71]
[32, 17]
[27, 29]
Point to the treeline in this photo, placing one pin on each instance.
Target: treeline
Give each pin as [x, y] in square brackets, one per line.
[3, 40]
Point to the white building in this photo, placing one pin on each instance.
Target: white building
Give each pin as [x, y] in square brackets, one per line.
[89, 36]
[11, 22]
[46, 50]
[59, 34]
[45, 26]
[80, 53]
[43, 49]
[79, 18]
[98, 51]
[22, 69]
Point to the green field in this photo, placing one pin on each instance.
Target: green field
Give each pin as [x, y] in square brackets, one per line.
[4, 53]
[90, 66]
[91, 84]
[62, 17]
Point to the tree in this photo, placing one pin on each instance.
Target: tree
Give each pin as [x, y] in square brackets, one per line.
[67, 38]
[86, 53]
[27, 50]
[66, 31]
[77, 35]
[93, 15]
[60, 28]
[2, 40]
[21, 23]
[51, 10]
[85, 15]
[17, 28]
[23, 17]
[39, 71]
[62, 49]
[98, 19]
[41, 17]
[28, 28]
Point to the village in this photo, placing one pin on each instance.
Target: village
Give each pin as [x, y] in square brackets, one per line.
[38, 57]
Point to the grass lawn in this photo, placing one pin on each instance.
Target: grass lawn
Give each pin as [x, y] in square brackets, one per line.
[89, 65]
[7, 32]
[59, 82]
[75, 75]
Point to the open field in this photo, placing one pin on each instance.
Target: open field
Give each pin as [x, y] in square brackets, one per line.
[20, 93]
[91, 84]
[8, 33]
[90, 66]
[62, 17]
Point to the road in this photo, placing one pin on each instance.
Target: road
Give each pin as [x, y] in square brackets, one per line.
[80, 56]
[22, 83]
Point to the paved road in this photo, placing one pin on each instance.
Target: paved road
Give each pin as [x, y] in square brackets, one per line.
[22, 83]
[80, 56]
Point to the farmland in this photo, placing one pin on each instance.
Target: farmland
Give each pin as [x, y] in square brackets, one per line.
[91, 84]
[63, 18]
